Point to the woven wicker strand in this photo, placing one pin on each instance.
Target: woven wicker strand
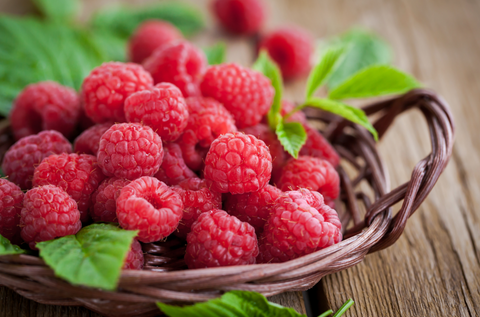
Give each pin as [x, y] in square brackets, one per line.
[166, 278]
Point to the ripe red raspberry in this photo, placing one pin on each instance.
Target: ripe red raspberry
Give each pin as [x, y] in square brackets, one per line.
[77, 174]
[218, 239]
[237, 163]
[21, 159]
[89, 141]
[300, 223]
[11, 203]
[245, 93]
[173, 169]
[149, 36]
[104, 91]
[150, 206]
[104, 199]
[240, 16]
[197, 198]
[161, 108]
[48, 213]
[312, 173]
[135, 258]
[45, 106]
[130, 150]
[179, 63]
[208, 119]
[317, 146]
[253, 208]
[291, 48]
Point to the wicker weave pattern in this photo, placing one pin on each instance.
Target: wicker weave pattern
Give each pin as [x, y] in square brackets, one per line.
[165, 278]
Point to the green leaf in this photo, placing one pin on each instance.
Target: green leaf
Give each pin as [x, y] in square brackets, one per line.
[364, 49]
[216, 53]
[93, 257]
[292, 136]
[123, 20]
[331, 58]
[376, 80]
[7, 248]
[232, 304]
[348, 112]
[265, 65]
[58, 9]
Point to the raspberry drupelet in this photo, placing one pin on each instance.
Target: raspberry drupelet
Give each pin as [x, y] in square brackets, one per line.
[173, 169]
[104, 199]
[135, 259]
[317, 146]
[218, 239]
[89, 140]
[11, 203]
[243, 17]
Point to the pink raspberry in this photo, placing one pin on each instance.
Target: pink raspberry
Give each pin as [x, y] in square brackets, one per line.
[11, 203]
[291, 48]
[135, 258]
[76, 174]
[208, 119]
[104, 91]
[150, 206]
[179, 63]
[317, 146]
[45, 106]
[130, 150]
[162, 108]
[48, 213]
[173, 169]
[89, 141]
[237, 163]
[104, 200]
[149, 36]
[218, 239]
[197, 198]
[240, 16]
[300, 223]
[21, 159]
[312, 173]
[253, 208]
[245, 93]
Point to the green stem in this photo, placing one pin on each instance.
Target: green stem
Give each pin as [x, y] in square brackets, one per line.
[297, 108]
[344, 308]
[327, 313]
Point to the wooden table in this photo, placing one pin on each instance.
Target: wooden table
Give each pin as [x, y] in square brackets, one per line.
[434, 268]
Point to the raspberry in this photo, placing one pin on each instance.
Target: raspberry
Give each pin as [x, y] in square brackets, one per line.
[218, 239]
[161, 108]
[45, 106]
[240, 16]
[104, 91]
[298, 116]
[291, 48]
[89, 141]
[179, 63]
[130, 150]
[312, 173]
[253, 208]
[149, 36]
[48, 213]
[21, 159]
[150, 206]
[208, 119]
[104, 199]
[173, 169]
[245, 93]
[317, 146]
[11, 203]
[237, 163]
[300, 223]
[134, 259]
[77, 174]
[197, 198]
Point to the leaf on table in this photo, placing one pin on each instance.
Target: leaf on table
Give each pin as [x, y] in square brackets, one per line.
[60, 10]
[8, 248]
[292, 136]
[93, 257]
[216, 53]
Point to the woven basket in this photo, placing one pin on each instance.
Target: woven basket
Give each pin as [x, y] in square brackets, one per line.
[165, 277]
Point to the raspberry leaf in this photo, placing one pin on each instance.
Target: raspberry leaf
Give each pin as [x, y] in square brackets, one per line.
[348, 112]
[216, 53]
[93, 257]
[269, 68]
[58, 9]
[6, 247]
[292, 136]
[376, 80]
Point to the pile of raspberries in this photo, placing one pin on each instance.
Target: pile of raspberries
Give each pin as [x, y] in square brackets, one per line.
[168, 146]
